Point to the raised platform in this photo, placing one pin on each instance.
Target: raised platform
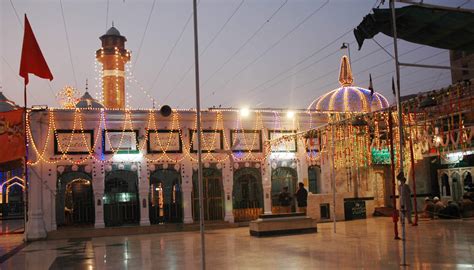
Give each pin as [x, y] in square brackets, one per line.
[278, 224]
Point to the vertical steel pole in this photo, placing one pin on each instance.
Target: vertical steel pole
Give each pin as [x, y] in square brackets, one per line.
[333, 174]
[400, 120]
[199, 150]
[25, 169]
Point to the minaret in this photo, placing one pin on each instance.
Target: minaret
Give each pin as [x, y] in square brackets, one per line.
[113, 57]
[345, 73]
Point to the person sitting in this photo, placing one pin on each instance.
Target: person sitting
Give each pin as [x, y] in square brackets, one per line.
[439, 206]
[285, 200]
[428, 209]
[451, 211]
[467, 206]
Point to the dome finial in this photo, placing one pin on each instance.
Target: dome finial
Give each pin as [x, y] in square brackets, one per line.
[345, 73]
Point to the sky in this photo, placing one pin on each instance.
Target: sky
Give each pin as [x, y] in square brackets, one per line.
[253, 53]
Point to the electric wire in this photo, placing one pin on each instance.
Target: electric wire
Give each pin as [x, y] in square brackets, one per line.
[21, 28]
[302, 61]
[261, 55]
[137, 55]
[155, 80]
[16, 13]
[15, 76]
[107, 15]
[205, 49]
[268, 20]
[68, 44]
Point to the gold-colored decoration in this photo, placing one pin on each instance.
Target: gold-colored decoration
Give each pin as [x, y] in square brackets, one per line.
[68, 97]
[345, 73]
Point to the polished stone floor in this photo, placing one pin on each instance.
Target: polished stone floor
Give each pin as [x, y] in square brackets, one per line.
[361, 244]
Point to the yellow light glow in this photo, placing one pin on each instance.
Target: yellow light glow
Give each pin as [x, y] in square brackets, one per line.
[245, 112]
[290, 114]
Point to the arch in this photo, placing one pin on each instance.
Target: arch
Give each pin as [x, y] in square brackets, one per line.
[165, 198]
[121, 206]
[247, 194]
[213, 194]
[467, 182]
[74, 199]
[456, 186]
[445, 187]
[283, 177]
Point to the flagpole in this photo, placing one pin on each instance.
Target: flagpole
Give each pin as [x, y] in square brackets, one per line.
[25, 168]
[199, 150]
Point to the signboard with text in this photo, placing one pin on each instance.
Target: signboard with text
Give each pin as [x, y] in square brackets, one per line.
[286, 145]
[212, 140]
[161, 141]
[74, 143]
[121, 142]
[246, 140]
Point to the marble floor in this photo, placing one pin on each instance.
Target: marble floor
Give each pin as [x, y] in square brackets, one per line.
[361, 244]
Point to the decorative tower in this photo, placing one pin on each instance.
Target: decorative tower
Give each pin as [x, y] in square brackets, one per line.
[113, 57]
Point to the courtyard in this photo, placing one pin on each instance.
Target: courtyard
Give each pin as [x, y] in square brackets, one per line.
[360, 244]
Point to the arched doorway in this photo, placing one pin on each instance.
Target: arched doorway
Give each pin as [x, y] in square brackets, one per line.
[165, 196]
[247, 194]
[121, 205]
[456, 185]
[213, 191]
[314, 175]
[467, 181]
[283, 177]
[11, 198]
[75, 199]
[445, 188]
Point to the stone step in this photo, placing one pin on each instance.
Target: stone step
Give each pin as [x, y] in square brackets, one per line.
[90, 232]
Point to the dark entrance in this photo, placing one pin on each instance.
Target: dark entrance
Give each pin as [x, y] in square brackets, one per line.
[247, 194]
[165, 197]
[121, 205]
[283, 177]
[314, 173]
[75, 199]
[213, 199]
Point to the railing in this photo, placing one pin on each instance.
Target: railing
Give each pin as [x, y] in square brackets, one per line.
[246, 214]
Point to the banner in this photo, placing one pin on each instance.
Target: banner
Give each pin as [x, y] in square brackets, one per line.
[12, 141]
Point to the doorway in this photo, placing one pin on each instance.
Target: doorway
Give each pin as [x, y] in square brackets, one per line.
[165, 197]
[75, 200]
[247, 194]
[283, 177]
[213, 191]
[121, 205]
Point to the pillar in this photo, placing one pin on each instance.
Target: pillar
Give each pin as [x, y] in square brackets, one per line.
[187, 188]
[35, 227]
[267, 187]
[98, 183]
[227, 177]
[143, 190]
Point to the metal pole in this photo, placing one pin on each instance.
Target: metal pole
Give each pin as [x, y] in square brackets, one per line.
[199, 150]
[400, 120]
[392, 162]
[25, 169]
[349, 54]
[333, 175]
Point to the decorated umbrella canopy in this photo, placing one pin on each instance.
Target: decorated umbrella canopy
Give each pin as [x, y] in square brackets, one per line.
[445, 29]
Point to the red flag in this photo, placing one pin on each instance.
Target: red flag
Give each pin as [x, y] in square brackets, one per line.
[32, 59]
[12, 141]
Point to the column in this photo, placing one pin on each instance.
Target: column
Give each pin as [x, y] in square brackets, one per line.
[187, 188]
[35, 227]
[143, 190]
[98, 183]
[267, 187]
[227, 178]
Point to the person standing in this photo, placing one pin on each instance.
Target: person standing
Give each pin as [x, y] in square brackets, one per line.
[285, 200]
[405, 198]
[301, 198]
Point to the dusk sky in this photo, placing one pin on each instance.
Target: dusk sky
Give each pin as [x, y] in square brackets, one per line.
[247, 59]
